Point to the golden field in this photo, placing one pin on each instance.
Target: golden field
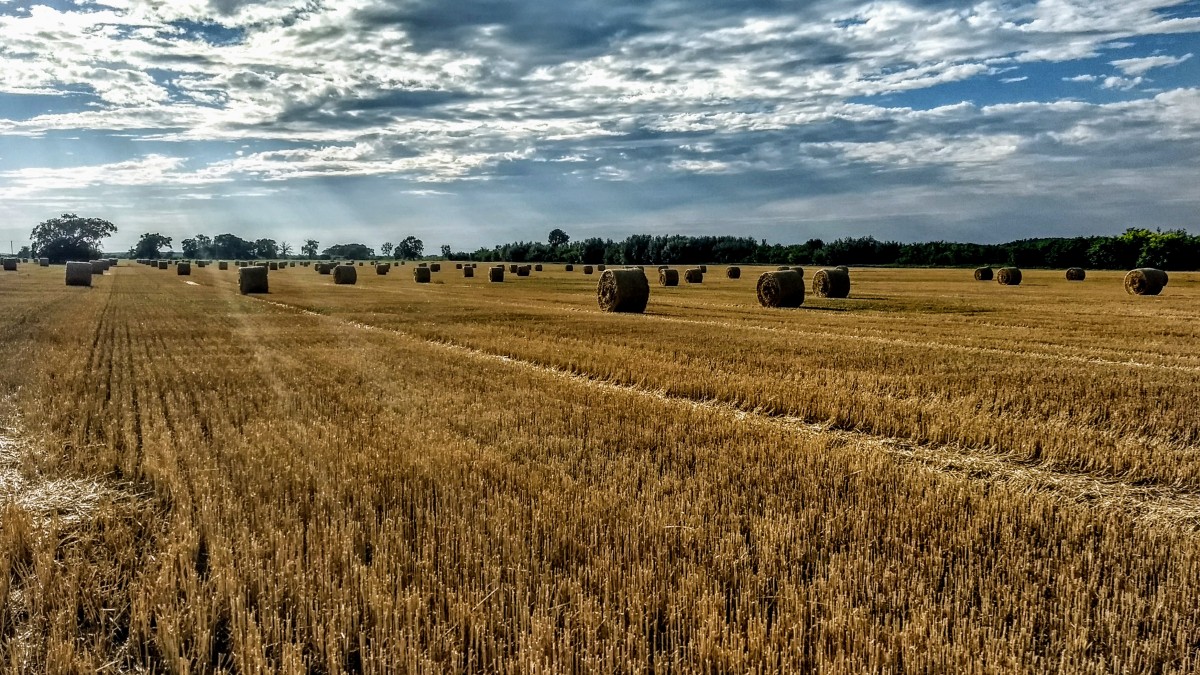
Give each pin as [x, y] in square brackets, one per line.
[933, 475]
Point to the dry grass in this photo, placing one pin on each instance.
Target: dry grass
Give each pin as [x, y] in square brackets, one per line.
[499, 477]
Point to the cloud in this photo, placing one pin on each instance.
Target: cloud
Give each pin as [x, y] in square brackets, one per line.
[1140, 66]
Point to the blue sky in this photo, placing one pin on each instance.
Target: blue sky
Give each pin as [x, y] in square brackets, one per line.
[483, 121]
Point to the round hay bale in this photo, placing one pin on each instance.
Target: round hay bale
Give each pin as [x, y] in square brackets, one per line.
[842, 268]
[240, 263]
[99, 266]
[79, 274]
[782, 268]
[183, 269]
[623, 291]
[435, 267]
[694, 275]
[523, 270]
[1145, 281]
[600, 268]
[983, 274]
[496, 274]
[201, 264]
[468, 272]
[831, 283]
[781, 288]
[291, 264]
[587, 269]
[1009, 276]
[733, 272]
[512, 268]
[703, 269]
[360, 263]
[537, 268]
[568, 268]
[668, 277]
[162, 264]
[223, 265]
[345, 274]
[421, 275]
[252, 279]
[383, 269]
[43, 262]
[273, 266]
[798, 269]
[10, 264]
[458, 266]
[1076, 274]
[324, 268]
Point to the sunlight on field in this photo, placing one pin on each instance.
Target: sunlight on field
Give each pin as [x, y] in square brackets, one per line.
[934, 474]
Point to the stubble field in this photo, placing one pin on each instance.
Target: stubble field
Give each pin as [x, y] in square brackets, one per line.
[934, 475]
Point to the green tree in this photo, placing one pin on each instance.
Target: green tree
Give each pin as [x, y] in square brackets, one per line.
[410, 248]
[285, 249]
[349, 251]
[266, 248]
[25, 252]
[309, 249]
[70, 237]
[557, 238]
[232, 246]
[191, 248]
[386, 249]
[447, 253]
[148, 246]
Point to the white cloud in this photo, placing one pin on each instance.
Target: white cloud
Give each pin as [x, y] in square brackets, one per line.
[1140, 66]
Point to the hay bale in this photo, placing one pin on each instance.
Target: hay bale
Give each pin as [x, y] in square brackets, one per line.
[291, 264]
[798, 269]
[781, 288]
[1145, 281]
[43, 262]
[10, 264]
[273, 266]
[252, 279]
[601, 268]
[496, 274]
[240, 263]
[842, 268]
[782, 268]
[79, 274]
[623, 291]
[383, 269]
[668, 277]
[513, 268]
[468, 272]
[223, 265]
[162, 264]
[523, 270]
[703, 269]
[435, 267]
[324, 268]
[1009, 276]
[587, 269]
[458, 266]
[733, 272]
[421, 275]
[99, 266]
[183, 269]
[1076, 274]
[983, 274]
[831, 283]
[201, 264]
[537, 268]
[345, 274]
[568, 268]
[694, 275]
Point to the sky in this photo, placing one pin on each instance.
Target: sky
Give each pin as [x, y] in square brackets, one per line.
[478, 122]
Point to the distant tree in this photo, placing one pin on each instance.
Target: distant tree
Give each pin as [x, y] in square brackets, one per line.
[410, 248]
[349, 251]
[285, 249]
[309, 249]
[557, 238]
[593, 251]
[232, 246]
[191, 248]
[70, 237]
[148, 246]
[266, 248]
[386, 249]
[447, 253]
[25, 252]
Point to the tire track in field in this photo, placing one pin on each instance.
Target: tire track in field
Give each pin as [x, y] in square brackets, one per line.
[1149, 504]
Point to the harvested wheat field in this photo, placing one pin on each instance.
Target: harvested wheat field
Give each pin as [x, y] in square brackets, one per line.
[931, 475]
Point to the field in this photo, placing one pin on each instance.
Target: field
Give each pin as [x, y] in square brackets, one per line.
[933, 475]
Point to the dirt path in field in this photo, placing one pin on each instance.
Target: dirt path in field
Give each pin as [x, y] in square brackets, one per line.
[1149, 504]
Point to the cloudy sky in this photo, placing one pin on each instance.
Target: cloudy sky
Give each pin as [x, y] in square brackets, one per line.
[476, 122]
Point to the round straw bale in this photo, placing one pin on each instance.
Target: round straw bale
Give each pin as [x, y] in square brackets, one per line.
[537, 268]
[345, 274]
[842, 268]
[79, 274]
[252, 279]
[273, 266]
[703, 269]
[694, 275]
[781, 288]
[733, 272]
[292, 263]
[99, 266]
[568, 268]
[513, 268]
[831, 283]
[183, 269]
[782, 268]
[223, 265]
[587, 269]
[201, 264]
[240, 263]
[421, 275]
[1009, 276]
[468, 272]
[601, 268]
[360, 263]
[983, 274]
[435, 267]
[1145, 281]
[43, 262]
[523, 270]
[162, 264]
[10, 264]
[668, 277]
[1076, 274]
[383, 269]
[496, 273]
[623, 291]
[458, 266]
[798, 269]
[324, 268]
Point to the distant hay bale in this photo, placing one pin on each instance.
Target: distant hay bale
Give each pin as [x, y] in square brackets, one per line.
[1076, 274]
[345, 274]
[600, 268]
[587, 269]
[422, 264]
[1009, 276]
[781, 288]
[496, 274]
[1145, 281]
[523, 270]
[272, 266]
[468, 272]
[831, 283]
[537, 268]
[162, 264]
[43, 262]
[240, 263]
[782, 268]
[383, 269]
[324, 268]
[513, 268]
[421, 275]
[183, 269]
[10, 264]
[79, 274]
[983, 274]
[842, 268]
[223, 265]
[798, 269]
[252, 279]
[201, 264]
[112, 262]
[694, 275]
[99, 266]
[292, 264]
[568, 268]
[733, 272]
[360, 263]
[435, 267]
[623, 291]
[668, 277]
[458, 266]
[703, 269]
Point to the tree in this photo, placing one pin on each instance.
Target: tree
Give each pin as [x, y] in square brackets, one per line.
[266, 248]
[285, 249]
[386, 249]
[148, 246]
[25, 252]
[309, 249]
[232, 246]
[410, 248]
[191, 248]
[70, 237]
[349, 251]
[557, 238]
[447, 253]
